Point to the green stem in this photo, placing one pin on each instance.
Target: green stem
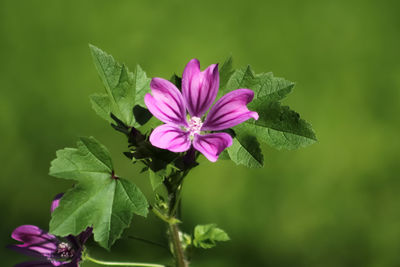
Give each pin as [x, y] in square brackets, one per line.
[173, 228]
[114, 263]
[176, 242]
[175, 201]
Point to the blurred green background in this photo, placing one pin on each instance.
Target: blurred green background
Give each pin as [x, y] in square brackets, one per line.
[336, 203]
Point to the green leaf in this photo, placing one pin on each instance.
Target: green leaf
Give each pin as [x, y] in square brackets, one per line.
[142, 86]
[102, 106]
[206, 236]
[225, 72]
[99, 199]
[175, 79]
[156, 179]
[246, 150]
[224, 155]
[124, 88]
[266, 87]
[278, 126]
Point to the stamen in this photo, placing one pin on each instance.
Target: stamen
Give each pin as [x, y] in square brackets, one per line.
[195, 125]
[65, 251]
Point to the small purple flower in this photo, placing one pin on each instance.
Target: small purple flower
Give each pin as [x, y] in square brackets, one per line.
[52, 251]
[199, 90]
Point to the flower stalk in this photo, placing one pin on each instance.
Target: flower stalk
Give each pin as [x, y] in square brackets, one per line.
[178, 252]
[115, 263]
[173, 185]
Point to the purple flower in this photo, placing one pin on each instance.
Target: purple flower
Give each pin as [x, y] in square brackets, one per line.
[199, 90]
[51, 250]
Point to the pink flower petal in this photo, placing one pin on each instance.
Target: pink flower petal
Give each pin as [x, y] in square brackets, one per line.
[31, 234]
[166, 102]
[35, 239]
[170, 137]
[199, 89]
[211, 145]
[230, 110]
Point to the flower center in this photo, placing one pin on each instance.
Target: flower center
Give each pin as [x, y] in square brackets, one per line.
[65, 251]
[195, 125]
